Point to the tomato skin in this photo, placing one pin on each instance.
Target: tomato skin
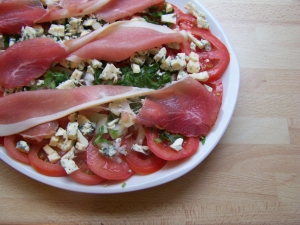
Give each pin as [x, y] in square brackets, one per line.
[84, 175]
[1, 140]
[163, 151]
[105, 167]
[10, 145]
[141, 163]
[46, 168]
[217, 87]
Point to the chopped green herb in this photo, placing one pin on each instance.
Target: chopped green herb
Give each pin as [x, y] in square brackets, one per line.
[99, 139]
[124, 184]
[53, 79]
[157, 140]
[203, 139]
[170, 137]
[147, 78]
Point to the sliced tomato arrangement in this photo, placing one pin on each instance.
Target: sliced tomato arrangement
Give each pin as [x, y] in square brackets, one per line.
[105, 167]
[38, 160]
[10, 145]
[163, 149]
[141, 163]
[84, 175]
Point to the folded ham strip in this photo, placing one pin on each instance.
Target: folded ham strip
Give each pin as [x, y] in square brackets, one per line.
[121, 40]
[23, 110]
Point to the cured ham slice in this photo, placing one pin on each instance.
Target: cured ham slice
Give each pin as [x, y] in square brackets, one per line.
[185, 107]
[23, 110]
[15, 13]
[41, 131]
[27, 60]
[118, 9]
[71, 8]
[121, 40]
[108, 10]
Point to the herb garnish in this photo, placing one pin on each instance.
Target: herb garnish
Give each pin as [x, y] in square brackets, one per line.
[147, 78]
[168, 136]
[99, 139]
[53, 79]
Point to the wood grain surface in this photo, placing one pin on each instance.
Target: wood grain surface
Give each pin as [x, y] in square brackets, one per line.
[253, 174]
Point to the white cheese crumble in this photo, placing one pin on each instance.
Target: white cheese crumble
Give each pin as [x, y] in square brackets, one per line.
[57, 30]
[177, 145]
[23, 146]
[141, 149]
[201, 22]
[169, 18]
[110, 72]
[52, 154]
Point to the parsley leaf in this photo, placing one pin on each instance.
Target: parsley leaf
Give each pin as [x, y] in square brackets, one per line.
[147, 78]
[53, 79]
[203, 139]
[99, 139]
[170, 137]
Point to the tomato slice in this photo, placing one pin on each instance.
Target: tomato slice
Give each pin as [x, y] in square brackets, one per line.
[10, 145]
[104, 167]
[217, 88]
[42, 166]
[140, 163]
[1, 140]
[163, 149]
[219, 54]
[84, 175]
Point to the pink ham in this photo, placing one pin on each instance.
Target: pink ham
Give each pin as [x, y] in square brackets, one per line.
[71, 8]
[15, 13]
[118, 9]
[40, 132]
[186, 108]
[121, 40]
[23, 110]
[27, 60]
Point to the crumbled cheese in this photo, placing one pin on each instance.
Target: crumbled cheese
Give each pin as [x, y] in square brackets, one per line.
[76, 75]
[193, 46]
[72, 129]
[65, 145]
[89, 22]
[169, 8]
[202, 76]
[161, 55]
[109, 151]
[52, 154]
[135, 68]
[81, 139]
[138, 59]
[23, 146]
[61, 132]
[68, 84]
[28, 33]
[193, 67]
[57, 30]
[194, 57]
[53, 141]
[169, 18]
[138, 18]
[141, 149]
[201, 22]
[177, 145]
[181, 74]
[68, 165]
[87, 128]
[197, 42]
[110, 72]
[95, 63]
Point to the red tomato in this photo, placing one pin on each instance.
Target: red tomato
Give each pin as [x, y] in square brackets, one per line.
[217, 87]
[140, 163]
[163, 149]
[38, 161]
[219, 56]
[104, 167]
[1, 140]
[10, 145]
[84, 175]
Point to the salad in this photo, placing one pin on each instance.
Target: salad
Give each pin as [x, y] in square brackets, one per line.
[144, 116]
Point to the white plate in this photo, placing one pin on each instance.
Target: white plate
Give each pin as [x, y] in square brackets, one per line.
[172, 170]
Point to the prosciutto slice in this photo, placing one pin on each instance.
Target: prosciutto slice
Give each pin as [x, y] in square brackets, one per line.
[121, 40]
[23, 110]
[41, 131]
[27, 60]
[185, 107]
[71, 8]
[117, 9]
[15, 13]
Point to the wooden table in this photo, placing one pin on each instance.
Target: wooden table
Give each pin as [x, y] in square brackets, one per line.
[252, 176]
